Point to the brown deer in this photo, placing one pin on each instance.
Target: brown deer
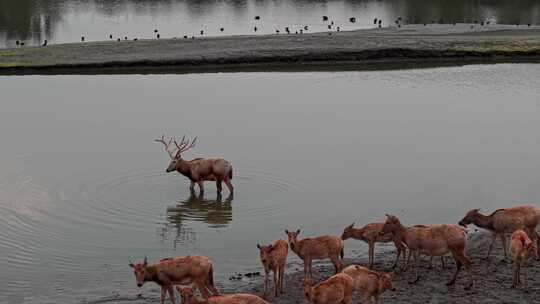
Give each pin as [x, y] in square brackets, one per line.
[183, 270]
[505, 221]
[334, 290]
[370, 234]
[432, 240]
[188, 297]
[521, 248]
[197, 170]
[368, 283]
[322, 247]
[273, 258]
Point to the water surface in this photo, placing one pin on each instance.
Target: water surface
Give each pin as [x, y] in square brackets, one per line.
[83, 187]
[59, 21]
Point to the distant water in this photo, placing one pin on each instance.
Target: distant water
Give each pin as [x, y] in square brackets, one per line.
[60, 21]
[83, 187]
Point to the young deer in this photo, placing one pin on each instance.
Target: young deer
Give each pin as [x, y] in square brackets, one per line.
[521, 248]
[505, 221]
[337, 289]
[188, 297]
[369, 284]
[198, 170]
[370, 234]
[432, 240]
[273, 258]
[179, 270]
[322, 247]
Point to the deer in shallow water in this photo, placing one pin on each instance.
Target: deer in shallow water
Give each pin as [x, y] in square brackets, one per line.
[273, 258]
[188, 297]
[432, 240]
[317, 248]
[198, 170]
[184, 270]
[370, 234]
[505, 221]
[521, 248]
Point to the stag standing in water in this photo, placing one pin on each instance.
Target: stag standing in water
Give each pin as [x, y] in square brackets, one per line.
[197, 170]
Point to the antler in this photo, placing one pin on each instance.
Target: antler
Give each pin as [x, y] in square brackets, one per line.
[185, 144]
[166, 144]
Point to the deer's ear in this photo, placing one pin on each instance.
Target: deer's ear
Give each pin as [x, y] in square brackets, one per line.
[258, 246]
[297, 231]
[145, 263]
[270, 248]
[286, 231]
[131, 265]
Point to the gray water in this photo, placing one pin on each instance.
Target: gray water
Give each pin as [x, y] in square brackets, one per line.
[60, 21]
[83, 187]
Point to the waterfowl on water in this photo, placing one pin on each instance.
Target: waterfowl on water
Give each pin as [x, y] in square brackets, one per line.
[332, 23]
[352, 19]
[110, 36]
[125, 38]
[301, 31]
[338, 29]
[375, 21]
[82, 38]
[277, 31]
[135, 39]
[118, 39]
[257, 17]
[222, 29]
[17, 42]
[185, 37]
[202, 33]
[324, 18]
[329, 26]
[255, 28]
[155, 31]
[287, 30]
[22, 43]
[306, 27]
[158, 36]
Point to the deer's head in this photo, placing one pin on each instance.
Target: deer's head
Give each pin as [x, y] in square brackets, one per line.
[293, 237]
[176, 153]
[385, 282]
[186, 293]
[266, 254]
[469, 217]
[392, 224]
[347, 232]
[140, 270]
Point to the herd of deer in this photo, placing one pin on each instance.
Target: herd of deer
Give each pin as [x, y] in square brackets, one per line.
[431, 240]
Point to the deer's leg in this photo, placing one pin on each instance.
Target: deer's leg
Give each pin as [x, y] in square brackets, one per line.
[192, 186]
[229, 185]
[201, 286]
[336, 262]
[371, 251]
[416, 261]
[163, 293]
[399, 250]
[265, 282]
[276, 284]
[201, 185]
[281, 275]
[170, 289]
[306, 268]
[503, 240]
[218, 186]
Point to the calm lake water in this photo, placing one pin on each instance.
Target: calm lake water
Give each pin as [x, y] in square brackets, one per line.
[58, 21]
[83, 187]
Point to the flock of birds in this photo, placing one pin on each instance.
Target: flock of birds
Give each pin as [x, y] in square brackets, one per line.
[377, 22]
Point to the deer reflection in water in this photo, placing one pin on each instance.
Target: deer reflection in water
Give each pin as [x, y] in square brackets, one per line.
[217, 213]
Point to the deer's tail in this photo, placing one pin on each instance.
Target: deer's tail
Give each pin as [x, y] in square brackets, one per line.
[211, 275]
[230, 174]
[342, 252]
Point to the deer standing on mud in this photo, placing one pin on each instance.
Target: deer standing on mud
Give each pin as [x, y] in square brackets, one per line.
[505, 221]
[370, 234]
[337, 289]
[188, 297]
[322, 247]
[198, 170]
[183, 270]
[368, 283]
[432, 240]
[521, 248]
[273, 258]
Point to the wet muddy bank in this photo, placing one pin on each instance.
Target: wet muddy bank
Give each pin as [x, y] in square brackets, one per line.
[364, 49]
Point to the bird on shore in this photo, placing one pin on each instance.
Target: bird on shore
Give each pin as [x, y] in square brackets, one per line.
[305, 27]
[277, 31]
[287, 30]
[82, 38]
[324, 18]
[222, 29]
[338, 29]
[255, 28]
[155, 31]
[375, 21]
[118, 39]
[110, 36]
[44, 42]
[202, 33]
[301, 31]
[257, 17]
[125, 38]
[17, 42]
[158, 36]
[352, 19]
[135, 39]
[185, 37]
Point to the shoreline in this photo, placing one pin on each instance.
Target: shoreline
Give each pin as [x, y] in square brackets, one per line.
[373, 49]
